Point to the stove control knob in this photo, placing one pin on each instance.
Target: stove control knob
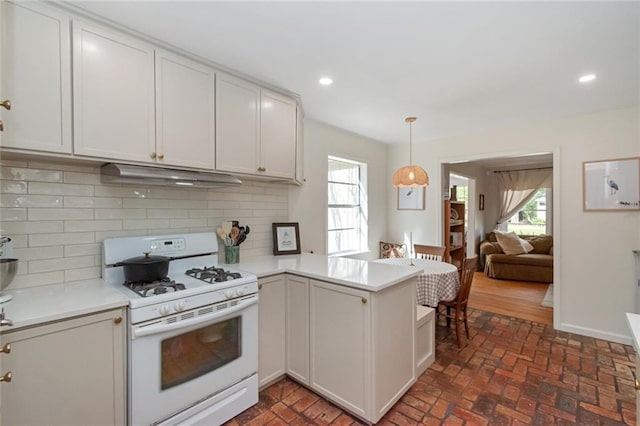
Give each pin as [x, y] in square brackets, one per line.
[164, 310]
[179, 306]
[240, 291]
[229, 294]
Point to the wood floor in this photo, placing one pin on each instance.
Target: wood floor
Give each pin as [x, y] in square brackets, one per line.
[517, 299]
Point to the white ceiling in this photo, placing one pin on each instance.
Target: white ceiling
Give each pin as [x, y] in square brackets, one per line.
[460, 67]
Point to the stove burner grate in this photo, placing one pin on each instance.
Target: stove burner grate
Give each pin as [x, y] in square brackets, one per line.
[212, 274]
[152, 288]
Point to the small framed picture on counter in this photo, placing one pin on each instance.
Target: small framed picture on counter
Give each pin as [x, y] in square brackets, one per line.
[411, 198]
[286, 238]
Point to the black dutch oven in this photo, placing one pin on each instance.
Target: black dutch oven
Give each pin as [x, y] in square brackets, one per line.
[145, 268]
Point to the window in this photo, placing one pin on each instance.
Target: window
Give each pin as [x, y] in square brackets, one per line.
[347, 206]
[532, 218]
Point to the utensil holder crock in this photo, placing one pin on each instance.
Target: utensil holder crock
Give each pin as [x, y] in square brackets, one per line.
[231, 254]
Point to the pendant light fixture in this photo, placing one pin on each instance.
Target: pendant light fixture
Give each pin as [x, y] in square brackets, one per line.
[410, 175]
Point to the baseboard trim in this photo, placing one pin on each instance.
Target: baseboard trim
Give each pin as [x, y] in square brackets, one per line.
[597, 334]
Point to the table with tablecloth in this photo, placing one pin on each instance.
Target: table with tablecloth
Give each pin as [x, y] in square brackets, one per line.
[439, 280]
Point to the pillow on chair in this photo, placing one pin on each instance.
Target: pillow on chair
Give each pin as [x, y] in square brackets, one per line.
[389, 250]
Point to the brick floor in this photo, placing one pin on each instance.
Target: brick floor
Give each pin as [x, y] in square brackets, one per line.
[511, 372]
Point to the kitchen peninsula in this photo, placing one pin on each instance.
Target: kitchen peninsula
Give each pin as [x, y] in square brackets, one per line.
[345, 328]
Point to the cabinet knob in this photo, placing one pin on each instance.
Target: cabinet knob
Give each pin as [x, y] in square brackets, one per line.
[363, 300]
[6, 104]
[160, 156]
[262, 169]
[6, 349]
[6, 377]
[259, 286]
[153, 155]
[117, 320]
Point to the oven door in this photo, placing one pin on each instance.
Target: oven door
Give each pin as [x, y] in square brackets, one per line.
[179, 360]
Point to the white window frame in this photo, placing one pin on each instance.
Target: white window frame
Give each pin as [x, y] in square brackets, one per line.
[362, 229]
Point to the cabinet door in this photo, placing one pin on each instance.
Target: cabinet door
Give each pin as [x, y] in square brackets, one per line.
[298, 328]
[237, 125]
[340, 345]
[66, 373]
[277, 135]
[185, 114]
[271, 329]
[113, 94]
[36, 78]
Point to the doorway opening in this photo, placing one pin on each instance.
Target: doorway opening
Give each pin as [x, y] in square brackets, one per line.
[484, 212]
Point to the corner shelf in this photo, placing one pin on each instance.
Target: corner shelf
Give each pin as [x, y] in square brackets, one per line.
[454, 238]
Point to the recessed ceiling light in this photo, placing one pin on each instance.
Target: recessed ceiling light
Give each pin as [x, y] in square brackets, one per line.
[587, 78]
[325, 81]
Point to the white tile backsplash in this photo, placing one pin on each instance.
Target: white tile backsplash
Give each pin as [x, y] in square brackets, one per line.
[58, 214]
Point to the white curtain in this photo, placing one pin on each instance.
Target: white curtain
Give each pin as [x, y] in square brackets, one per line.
[517, 187]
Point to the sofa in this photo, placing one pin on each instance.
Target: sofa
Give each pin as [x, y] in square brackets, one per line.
[535, 265]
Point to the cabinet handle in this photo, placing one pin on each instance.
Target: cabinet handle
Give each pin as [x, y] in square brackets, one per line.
[6, 104]
[259, 286]
[363, 300]
[6, 348]
[262, 169]
[160, 156]
[153, 155]
[1, 126]
[117, 320]
[6, 377]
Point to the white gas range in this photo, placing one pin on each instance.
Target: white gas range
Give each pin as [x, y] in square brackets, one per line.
[193, 336]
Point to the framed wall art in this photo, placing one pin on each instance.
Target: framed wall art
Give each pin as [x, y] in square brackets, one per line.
[286, 238]
[411, 198]
[611, 185]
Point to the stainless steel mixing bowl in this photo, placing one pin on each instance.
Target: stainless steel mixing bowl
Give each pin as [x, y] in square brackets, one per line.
[8, 269]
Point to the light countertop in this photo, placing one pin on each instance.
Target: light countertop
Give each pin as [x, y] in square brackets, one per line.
[354, 273]
[633, 320]
[39, 305]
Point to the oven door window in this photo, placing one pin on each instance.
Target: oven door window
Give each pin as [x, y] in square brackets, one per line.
[198, 352]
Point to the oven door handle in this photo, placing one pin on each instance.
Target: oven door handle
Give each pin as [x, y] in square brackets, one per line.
[156, 329]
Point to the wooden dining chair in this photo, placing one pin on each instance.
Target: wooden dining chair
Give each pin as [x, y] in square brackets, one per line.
[428, 252]
[459, 303]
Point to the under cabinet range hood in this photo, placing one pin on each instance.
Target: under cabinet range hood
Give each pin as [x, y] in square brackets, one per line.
[143, 175]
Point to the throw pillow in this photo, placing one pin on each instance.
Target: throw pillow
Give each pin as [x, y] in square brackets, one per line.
[510, 243]
[526, 244]
[389, 250]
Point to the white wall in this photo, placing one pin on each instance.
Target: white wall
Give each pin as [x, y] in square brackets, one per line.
[594, 273]
[308, 203]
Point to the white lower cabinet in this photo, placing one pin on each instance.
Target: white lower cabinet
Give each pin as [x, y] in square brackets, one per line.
[340, 345]
[362, 345]
[297, 299]
[354, 347]
[70, 372]
[271, 329]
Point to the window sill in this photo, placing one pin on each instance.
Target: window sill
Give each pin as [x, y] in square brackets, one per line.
[349, 253]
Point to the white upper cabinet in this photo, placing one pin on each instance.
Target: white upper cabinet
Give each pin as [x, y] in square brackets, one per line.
[237, 121]
[277, 135]
[256, 130]
[185, 112]
[113, 94]
[35, 78]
